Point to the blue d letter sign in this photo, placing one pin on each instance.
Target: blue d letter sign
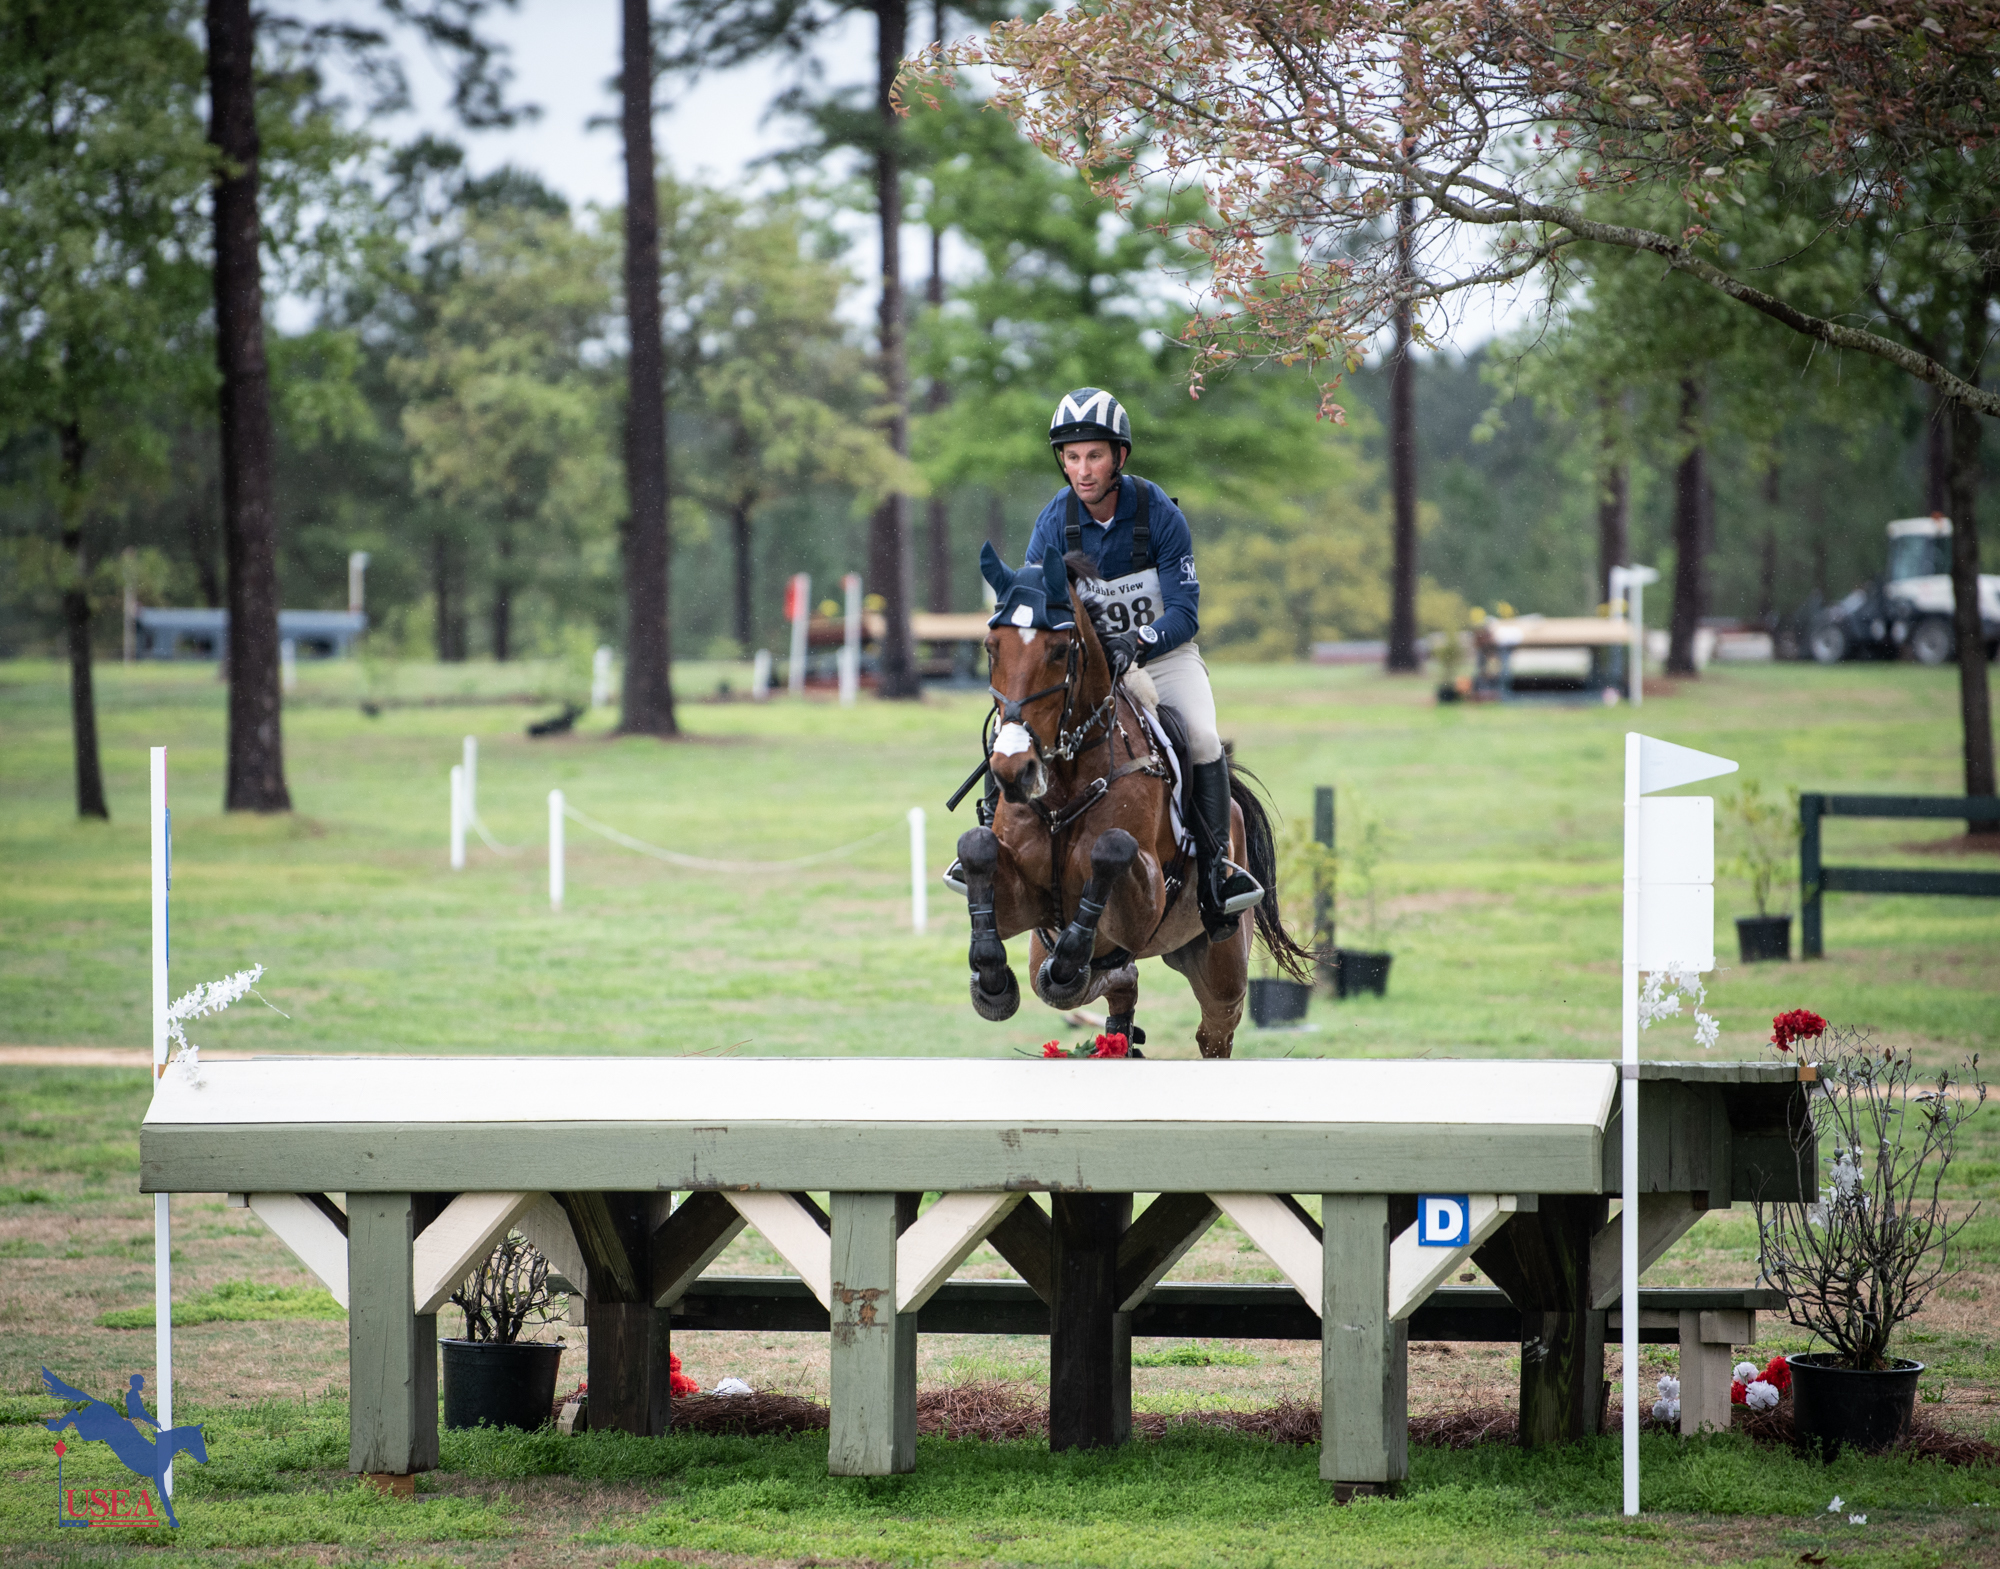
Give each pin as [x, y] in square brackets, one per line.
[1444, 1220]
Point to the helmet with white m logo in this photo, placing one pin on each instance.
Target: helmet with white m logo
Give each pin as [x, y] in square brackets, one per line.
[1089, 414]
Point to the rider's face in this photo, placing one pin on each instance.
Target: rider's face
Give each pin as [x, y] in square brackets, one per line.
[1091, 468]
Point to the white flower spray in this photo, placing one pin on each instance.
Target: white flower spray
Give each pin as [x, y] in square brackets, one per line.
[1664, 993]
[210, 997]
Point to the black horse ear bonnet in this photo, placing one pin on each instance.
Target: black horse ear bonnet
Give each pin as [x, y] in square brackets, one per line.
[1037, 596]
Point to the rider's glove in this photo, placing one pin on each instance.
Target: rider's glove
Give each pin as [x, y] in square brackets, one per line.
[1122, 649]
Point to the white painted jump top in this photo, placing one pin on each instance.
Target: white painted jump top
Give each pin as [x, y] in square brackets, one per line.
[823, 1092]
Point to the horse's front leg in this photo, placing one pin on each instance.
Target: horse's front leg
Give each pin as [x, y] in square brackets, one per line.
[996, 994]
[1063, 981]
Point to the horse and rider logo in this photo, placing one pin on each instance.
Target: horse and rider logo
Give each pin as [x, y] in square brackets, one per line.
[148, 1454]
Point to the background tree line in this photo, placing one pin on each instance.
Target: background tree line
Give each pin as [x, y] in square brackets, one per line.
[468, 408]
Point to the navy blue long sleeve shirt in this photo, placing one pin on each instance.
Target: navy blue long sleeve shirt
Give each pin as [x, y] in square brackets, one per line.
[1111, 545]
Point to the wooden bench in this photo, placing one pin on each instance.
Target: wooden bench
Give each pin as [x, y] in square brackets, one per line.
[435, 1159]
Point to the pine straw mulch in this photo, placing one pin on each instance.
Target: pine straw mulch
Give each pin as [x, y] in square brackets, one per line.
[999, 1412]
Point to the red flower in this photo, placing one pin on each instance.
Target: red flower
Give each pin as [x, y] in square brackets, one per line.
[1778, 1374]
[1112, 1046]
[1051, 1049]
[1801, 1024]
[678, 1382]
[1737, 1393]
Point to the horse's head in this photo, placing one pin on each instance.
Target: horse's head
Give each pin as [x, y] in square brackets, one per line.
[1046, 670]
[189, 1440]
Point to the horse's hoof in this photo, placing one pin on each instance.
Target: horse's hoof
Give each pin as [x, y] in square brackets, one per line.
[1003, 1004]
[1070, 994]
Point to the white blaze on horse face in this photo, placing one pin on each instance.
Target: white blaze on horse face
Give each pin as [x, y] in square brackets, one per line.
[1011, 741]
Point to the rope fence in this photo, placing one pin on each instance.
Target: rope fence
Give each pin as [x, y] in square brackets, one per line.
[465, 814]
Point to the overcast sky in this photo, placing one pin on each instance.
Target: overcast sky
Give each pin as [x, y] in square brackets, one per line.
[564, 54]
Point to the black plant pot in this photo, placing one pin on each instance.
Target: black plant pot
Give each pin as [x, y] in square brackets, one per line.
[1356, 971]
[1277, 1002]
[1835, 1407]
[499, 1385]
[1761, 937]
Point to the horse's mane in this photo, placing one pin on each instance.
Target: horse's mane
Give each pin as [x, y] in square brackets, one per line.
[1087, 575]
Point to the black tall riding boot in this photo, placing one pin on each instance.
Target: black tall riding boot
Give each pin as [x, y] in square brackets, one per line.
[1225, 889]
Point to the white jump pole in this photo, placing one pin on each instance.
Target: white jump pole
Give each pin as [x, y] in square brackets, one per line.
[288, 664]
[919, 892]
[1629, 583]
[850, 648]
[760, 676]
[1628, 1219]
[801, 607]
[600, 677]
[163, 1246]
[458, 817]
[471, 778]
[556, 851]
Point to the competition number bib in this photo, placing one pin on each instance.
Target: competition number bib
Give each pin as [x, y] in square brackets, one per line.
[1130, 601]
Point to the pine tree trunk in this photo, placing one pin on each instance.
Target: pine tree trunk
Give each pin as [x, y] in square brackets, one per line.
[649, 695]
[938, 397]
[76, 623]
[1690, 503]
[890, 556]
[255, 777]
[503, 601]
[739, 537]
[1614, 526]
[1403, 652]
[1975, 697]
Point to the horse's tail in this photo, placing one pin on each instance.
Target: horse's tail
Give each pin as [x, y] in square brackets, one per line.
[1284, 950]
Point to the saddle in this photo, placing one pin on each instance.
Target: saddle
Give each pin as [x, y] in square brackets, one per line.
[1169, 734]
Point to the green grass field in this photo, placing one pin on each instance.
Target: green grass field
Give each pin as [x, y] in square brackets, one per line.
[1500, 889]
[1499, 898]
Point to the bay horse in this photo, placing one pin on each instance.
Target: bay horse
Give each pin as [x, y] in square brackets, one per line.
[1081, 851]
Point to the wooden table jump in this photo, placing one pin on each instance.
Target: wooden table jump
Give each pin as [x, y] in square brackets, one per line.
[390, 1176]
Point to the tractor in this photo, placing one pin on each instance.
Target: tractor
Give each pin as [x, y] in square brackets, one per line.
[1909, 609]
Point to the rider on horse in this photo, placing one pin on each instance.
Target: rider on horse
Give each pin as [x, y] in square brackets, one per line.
[1151, 601]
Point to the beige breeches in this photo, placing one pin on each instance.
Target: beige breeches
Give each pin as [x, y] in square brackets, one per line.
[1183, 683]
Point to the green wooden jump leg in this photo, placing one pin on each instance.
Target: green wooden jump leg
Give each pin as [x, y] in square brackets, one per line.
[391, 1351]
[874, 1350]
[1364, 1357]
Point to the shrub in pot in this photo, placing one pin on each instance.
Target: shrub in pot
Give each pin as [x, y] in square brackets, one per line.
[1305, 871]
[1881, 1238]
[492, 1376]
[1365, 967]
[1766, 836]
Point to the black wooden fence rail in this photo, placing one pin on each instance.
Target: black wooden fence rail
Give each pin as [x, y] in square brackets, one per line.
[1817, 878]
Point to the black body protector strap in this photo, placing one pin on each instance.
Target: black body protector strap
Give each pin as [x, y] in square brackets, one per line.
[1142, 526]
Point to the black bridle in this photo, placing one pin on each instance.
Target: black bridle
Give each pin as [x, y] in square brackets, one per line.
[1068, 742]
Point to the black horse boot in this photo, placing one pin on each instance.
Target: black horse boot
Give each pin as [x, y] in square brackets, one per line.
[1225, 889]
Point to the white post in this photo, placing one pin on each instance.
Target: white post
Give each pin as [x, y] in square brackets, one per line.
[918, 890]
[357, 575]
[760, 676]
[556, 851]
[163, 1245]
[288, 664]
[458, 817]
[1628, 1219]
[471, 779]
[801, 605]
[600, 677]
[1633, 581]
[850, 648]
